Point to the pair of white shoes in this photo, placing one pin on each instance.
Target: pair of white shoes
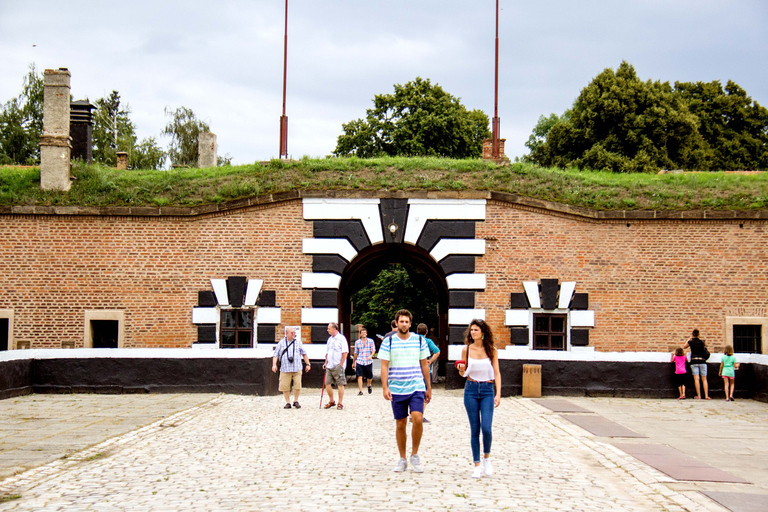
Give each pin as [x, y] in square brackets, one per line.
[484, 468]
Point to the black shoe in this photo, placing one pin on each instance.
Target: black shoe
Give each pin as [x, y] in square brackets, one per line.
[370, 390]
[359, 393]
[287, 406]
[296, 405]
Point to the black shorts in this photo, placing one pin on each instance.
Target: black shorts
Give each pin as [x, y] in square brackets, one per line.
[679, 379]
[365, 371]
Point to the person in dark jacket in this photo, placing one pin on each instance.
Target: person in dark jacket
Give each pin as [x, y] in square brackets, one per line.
[698, 363]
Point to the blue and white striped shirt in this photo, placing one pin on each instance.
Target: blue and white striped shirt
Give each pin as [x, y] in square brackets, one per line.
[404, 356]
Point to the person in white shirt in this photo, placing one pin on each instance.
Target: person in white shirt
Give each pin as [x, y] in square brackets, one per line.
[482, 391]
[337, 351]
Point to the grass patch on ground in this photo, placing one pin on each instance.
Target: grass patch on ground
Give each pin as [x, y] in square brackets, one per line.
[95, 185]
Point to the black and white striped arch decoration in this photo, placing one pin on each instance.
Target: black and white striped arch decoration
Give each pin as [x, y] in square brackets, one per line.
[445, 228]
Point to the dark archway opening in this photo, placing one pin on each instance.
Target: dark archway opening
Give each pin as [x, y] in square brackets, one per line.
[423, 271]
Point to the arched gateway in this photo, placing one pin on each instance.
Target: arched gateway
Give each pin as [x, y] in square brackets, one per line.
[353, 239]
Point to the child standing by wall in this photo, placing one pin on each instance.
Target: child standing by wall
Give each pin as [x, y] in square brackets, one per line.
[728, 365]
[678, 357]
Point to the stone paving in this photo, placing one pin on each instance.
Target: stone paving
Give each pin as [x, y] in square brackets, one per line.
[247, 453]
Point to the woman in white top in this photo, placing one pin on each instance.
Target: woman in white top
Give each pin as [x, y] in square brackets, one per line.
[482, 391]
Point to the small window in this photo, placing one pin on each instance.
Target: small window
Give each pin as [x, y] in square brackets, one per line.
[549, 332]
[747, 339]
[237, 328]
[105, 333]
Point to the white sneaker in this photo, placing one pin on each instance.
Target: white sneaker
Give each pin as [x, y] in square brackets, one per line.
[402, 464]
[487, 468]
[416, 464]
[477, 472]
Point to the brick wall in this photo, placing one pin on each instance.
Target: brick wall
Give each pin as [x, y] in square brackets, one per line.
[53, 268]
[649, 283]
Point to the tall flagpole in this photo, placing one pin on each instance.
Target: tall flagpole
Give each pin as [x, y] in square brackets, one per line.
[495, 123]
[284, 118]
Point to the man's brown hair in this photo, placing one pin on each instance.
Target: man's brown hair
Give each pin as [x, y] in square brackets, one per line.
[403, 312]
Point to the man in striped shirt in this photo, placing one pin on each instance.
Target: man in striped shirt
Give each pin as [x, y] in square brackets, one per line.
[405, 382]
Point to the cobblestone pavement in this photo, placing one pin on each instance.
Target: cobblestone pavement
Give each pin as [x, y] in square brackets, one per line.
[248, 453]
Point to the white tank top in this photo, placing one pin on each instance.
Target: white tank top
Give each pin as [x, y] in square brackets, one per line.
[480, 370]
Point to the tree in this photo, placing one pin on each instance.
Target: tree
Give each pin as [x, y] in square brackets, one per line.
[394, 288]
[622, 124]
[147, 154]
[184, 129]
[21, 122]
[418, 119]
[113, 130]
[734, 127]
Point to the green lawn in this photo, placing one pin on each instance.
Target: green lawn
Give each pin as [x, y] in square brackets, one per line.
[102, 186]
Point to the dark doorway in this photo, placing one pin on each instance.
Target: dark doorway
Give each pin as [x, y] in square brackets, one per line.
[420, 266]
[104, 333]
[4, 334]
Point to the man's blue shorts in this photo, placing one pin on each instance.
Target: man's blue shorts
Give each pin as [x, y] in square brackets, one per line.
[414, 402]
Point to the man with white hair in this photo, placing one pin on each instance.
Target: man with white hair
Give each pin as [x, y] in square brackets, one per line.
[290, 351]
[337, 351]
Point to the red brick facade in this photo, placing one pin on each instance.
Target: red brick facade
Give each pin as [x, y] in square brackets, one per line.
[649, 281]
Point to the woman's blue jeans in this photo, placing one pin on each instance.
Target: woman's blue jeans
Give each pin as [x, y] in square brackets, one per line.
[478, 401]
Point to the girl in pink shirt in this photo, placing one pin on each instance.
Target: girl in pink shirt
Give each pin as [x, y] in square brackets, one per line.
[679, 359]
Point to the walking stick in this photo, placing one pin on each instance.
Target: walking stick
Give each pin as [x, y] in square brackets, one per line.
[322, 390]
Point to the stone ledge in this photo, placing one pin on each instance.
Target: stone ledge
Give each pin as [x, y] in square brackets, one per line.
[503, 197]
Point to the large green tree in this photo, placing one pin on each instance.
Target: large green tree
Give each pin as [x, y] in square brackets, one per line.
[620, 123]
[184, 128]
[394, 288]
[21, 122]
[734, 127]
[419, 118]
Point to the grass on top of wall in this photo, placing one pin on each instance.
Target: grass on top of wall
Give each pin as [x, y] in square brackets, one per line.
[95, 185]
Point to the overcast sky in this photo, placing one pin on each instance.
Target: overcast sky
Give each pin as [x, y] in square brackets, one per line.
[224, 59]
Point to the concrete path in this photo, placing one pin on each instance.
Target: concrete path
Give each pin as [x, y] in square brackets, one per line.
[248, 453]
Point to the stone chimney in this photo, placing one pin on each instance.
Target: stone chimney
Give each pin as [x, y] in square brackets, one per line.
[55, 145]
[206, 150]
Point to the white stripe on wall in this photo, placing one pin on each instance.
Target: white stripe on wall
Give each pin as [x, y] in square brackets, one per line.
[582, 318]
[220, 289]
[422, 210]
[466, 281]
[566, 292]
[365, 210]
[319, 315]
[340, 246]
[517, 317]
[532, 291]
[320, 280]
[268, 315]
[458, 316]
[252, 291]
[447, 246]
[204, 315]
